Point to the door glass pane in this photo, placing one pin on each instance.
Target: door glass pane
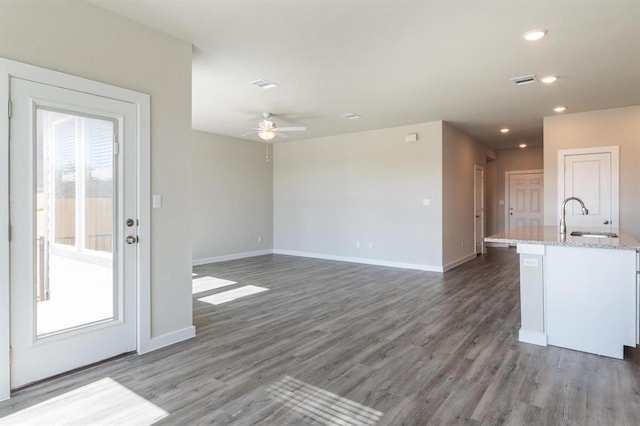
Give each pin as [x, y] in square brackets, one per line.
[64, 140]
[74, 221]
[98, 218]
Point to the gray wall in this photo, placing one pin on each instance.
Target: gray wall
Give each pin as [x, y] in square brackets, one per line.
[232, 186]
[459, 154]
[369, 187]
[619, 126]
[511, 160]
[78, 38]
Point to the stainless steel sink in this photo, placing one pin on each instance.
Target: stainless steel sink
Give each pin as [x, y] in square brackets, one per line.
[594, 234]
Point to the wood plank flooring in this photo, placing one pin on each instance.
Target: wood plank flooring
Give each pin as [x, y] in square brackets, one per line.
[347, 344]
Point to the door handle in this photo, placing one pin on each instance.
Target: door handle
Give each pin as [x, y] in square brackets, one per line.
[606, 222]
[131, 239]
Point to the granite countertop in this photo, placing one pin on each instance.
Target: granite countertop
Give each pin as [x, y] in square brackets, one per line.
[550, 235]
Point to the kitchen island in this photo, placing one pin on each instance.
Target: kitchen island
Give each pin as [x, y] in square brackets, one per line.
[577, 292]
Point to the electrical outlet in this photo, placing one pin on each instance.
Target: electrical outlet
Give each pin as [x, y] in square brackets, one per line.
[357, 244]
[259, 239]
[370, 245]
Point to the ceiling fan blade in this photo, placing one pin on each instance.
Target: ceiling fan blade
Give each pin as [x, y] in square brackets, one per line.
[282, 135]
[293, 129]
[250, 133]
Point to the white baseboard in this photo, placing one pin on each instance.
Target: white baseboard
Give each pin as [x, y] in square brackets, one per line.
[233, 256]
[168, 339]
[360, 260]
[502, 245]
[459, 262]
[533, 337]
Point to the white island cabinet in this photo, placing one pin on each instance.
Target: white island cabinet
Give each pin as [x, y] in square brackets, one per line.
[580, 293]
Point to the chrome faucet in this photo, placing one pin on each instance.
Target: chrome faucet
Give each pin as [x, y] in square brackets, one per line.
[563, 221]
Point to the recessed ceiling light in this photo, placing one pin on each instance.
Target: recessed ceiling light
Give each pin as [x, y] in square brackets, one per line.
[264, 84]
[534, 35]
[523, 145]
[549, 79]
[504, 130]
[560, 109]
[350, 115]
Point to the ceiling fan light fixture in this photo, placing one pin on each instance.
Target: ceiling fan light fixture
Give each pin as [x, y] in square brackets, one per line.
[267, 134]
[560, 109]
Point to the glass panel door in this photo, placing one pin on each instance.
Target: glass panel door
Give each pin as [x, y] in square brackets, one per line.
[74, 220]
[73, 280]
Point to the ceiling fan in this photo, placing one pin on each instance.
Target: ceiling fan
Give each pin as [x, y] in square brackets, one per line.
[267, 129]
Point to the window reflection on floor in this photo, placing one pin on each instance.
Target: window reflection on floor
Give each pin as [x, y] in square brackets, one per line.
[228, 296]
[203, 284]
[103, 402]
[320, 405]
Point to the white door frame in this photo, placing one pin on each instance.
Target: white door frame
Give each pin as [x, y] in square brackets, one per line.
[475, 209]
[507, 177]
[615, 177]
[8, 69]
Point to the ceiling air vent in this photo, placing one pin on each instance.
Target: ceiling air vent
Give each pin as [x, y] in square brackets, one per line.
[264, 84]
[350, 115]
[525, 79]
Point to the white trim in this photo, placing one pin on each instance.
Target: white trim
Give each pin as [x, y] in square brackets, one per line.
[475, 208]
[537, 249]
[360, 260]
[614, 150]
[233, 256]
[533, 337]
[5, 338]
[507, 177]
[460, 261]
[168, 339]
[144, 225]
[10, 68]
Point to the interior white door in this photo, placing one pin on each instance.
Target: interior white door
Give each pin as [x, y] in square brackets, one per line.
[479, 208]
[72, 187]
[525, 200]
[589, 177]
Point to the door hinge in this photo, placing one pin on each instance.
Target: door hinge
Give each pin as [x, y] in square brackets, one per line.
[10, 108]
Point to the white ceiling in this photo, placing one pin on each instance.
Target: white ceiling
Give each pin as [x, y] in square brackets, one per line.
[398, 62]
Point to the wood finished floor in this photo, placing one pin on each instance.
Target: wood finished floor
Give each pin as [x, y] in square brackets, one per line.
[340, 343]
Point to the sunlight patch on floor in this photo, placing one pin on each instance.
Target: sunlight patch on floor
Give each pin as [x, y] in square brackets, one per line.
[320, 405]
[209, 283]
[228, 296]
[105, 402]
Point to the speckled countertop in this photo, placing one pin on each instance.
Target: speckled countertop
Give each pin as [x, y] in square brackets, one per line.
[550, 235]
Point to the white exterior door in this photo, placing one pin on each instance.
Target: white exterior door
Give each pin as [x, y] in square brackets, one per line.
[590, 176]
[72, 189]
[525, 206]
[479, 208]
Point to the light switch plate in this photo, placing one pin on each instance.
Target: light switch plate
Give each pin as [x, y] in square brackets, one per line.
[157, 201]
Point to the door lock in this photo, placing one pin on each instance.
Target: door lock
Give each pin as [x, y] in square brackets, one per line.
[130, 222]
[131, 239]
